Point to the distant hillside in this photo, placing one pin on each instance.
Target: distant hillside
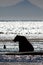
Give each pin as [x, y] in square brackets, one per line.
[23, 10]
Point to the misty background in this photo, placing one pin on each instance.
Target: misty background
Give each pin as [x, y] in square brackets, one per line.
[21, 9]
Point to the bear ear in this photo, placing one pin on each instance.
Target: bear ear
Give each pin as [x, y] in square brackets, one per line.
[17, 35]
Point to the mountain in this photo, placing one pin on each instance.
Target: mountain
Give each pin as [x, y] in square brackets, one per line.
[23, 10]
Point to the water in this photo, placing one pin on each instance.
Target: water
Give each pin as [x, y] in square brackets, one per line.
[19, 63]
[32, 30]
[22, 58]
[21, 27]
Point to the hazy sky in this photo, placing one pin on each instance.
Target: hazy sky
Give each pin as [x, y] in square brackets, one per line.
[38, 3]
[4, 3]
[29, 9]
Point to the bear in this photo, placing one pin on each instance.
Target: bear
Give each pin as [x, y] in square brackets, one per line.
[24, 44]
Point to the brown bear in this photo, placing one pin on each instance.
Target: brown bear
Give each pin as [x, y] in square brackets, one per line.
[24, 44]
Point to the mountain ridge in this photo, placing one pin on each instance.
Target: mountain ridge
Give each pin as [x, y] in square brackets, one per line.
[24, 9]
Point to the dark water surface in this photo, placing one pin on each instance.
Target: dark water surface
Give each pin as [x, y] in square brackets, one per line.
[19, 63]
[21, 58]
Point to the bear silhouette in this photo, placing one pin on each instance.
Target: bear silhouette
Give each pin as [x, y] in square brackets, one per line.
[24, 44]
